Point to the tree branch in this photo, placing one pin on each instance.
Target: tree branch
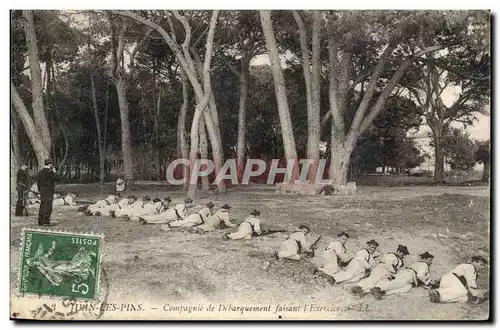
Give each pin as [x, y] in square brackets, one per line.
[171, 25]
[305, 56]
[360, 113]
[195, 44]
[417, 97]
[139, 45]
[173, 46]
[362, 76]
[136, 48]
[113, 45]
[121, 45]
[223, 57]
[187, 38]
[368, 120]
[332, 90]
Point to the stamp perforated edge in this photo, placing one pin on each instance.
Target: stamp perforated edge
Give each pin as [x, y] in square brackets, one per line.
[20, 294]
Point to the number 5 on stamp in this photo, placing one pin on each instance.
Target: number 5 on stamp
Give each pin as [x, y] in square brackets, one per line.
[60, 264]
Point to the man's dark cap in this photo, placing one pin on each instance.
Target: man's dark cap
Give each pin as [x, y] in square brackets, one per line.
[168, 199]
[372, 242]
[255, 213]
[188, 200]
[403, 249]
[426, 255]
[226, 206]
[305, 227]
[478, 258]
[210, 205]
[48, 161]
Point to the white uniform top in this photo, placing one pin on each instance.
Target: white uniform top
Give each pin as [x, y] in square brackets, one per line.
[223, 215]
[469, 272]
[181, 208]
[69, 199]
[300, 237]
[339, 249]
[123, 202]
[149, 208]
[204, 212]
[214, 221]
[392, 262]
[365, 257]
[136, 204]
[111, 199]
[254, 223]
[422, 271]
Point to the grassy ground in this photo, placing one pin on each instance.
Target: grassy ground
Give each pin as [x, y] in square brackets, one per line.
[145, 264]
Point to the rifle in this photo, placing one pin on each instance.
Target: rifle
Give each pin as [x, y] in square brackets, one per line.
[313, 246]
[34, 192]
[269, 232]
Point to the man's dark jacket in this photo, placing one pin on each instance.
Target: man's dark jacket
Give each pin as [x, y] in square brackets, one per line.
[45, 180]
[22, 179]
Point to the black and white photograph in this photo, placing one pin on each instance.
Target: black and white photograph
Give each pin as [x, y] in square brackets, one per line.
[263, 164]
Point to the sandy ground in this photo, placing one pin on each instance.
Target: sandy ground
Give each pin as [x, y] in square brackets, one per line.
[144, 265]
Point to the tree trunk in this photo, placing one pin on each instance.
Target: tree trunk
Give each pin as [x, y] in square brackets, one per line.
[312, 82]
[41, 150]
[14, 133]
[340, 156]
[486, 172]
[195, 143]
[68, 170]
[439, 158]
[217, 152]
[128, 161]
[14, 167]
[98, 126]
[313, 111]
[66, 147]
[240, 149]
[280, 90]
[205, 182]
[36, 82]
[182, 148]
[157, 148]
[78, 172]
[211, 120]
[105, 120]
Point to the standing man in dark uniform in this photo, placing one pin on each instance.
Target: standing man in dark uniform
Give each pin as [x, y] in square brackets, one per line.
[45, 180]
[21, 186]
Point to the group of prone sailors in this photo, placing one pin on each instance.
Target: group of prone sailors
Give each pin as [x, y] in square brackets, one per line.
[384, 274]
[376, 274]
[156, 211]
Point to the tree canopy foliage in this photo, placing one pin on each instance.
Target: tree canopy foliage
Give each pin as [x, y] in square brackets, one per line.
[378, 75]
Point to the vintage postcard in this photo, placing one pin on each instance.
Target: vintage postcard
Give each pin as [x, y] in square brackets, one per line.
[250, 164]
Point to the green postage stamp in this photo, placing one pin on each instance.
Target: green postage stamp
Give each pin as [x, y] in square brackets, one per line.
[60, 264]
